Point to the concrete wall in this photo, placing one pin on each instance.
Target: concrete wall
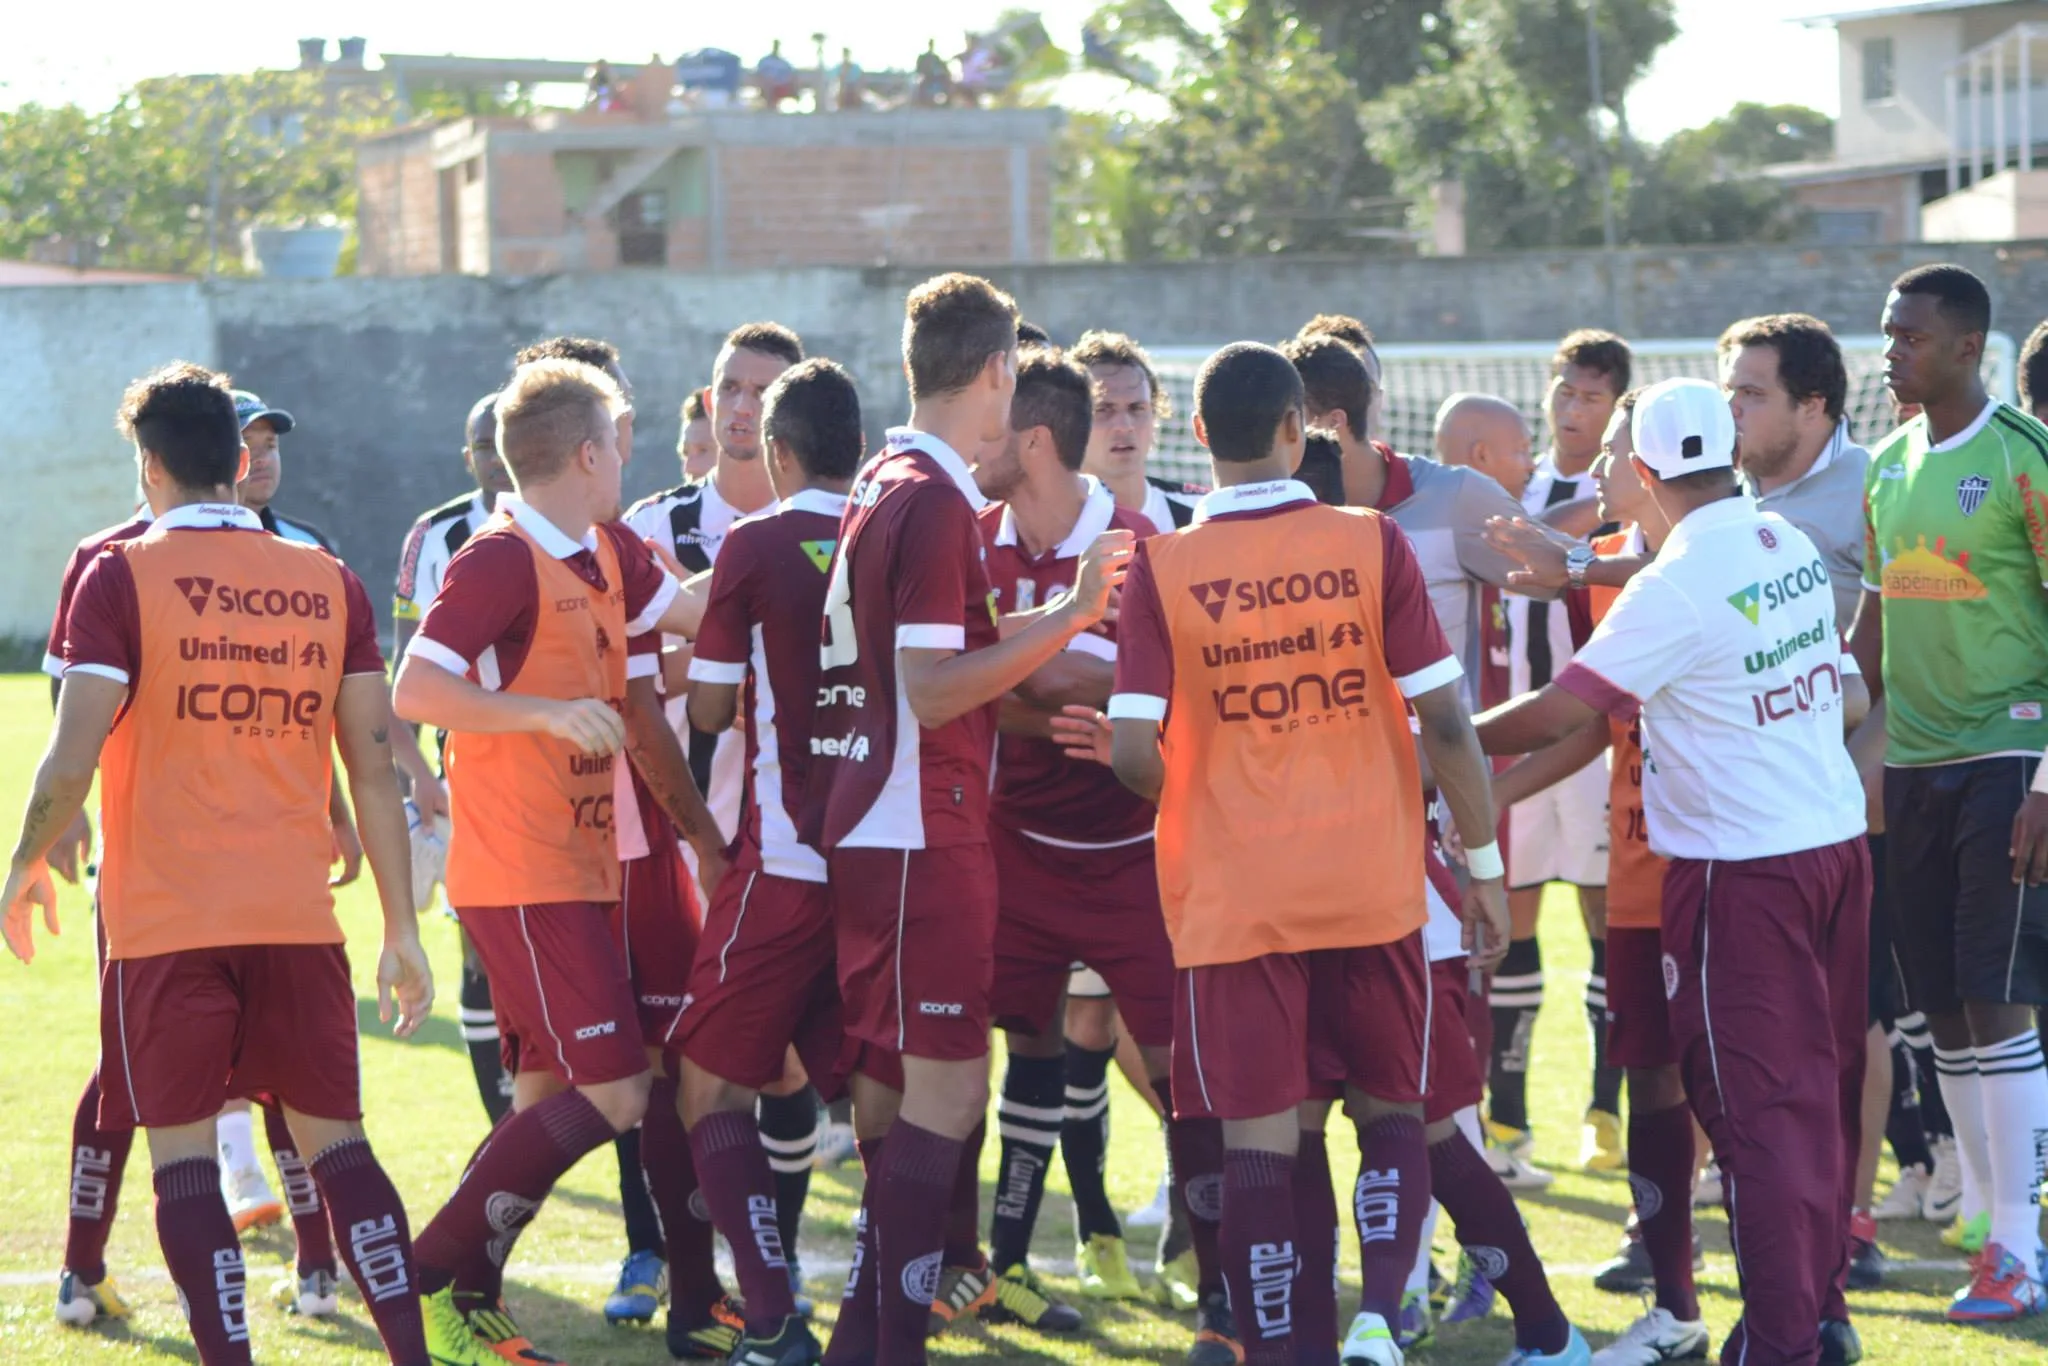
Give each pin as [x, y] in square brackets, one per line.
[380, 372]
[1995, 210]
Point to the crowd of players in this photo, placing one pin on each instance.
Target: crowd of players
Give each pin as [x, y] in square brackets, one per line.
[786, 786]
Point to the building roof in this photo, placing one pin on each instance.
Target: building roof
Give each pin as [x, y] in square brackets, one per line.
[1885, 9]
[38, 273]
[1823, 172]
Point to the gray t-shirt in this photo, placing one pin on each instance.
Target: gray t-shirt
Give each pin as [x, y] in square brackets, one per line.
[1443, 509]
[1827, 504]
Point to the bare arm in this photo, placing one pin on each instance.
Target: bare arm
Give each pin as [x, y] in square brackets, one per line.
[1019, 717]
[1530, 722]
[432, 696]
[1866, 642]
[348, 843]
[1855, 703]
[1550, 765]
[659, 757]
[685, 613]
[1134, 756]
[713, 706]
[1462, 779]
[1578, 518]
[424, 783]
[86, 708]
[362, 732]
[1069, 678]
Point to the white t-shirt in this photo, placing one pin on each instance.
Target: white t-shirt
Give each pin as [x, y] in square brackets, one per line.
[1728, 646]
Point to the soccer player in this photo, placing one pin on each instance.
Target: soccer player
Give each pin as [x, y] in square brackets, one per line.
[99, 1156]
[523, 659]
[1561, 834]
[1953, 610]
[1129, 405]
[2034, 372]
[1073, 855]
[697, 448]
[224, 972]
[1220, 702]
[1726, 648]
[1486, 434]
[897, 797]
[764, 979]
[422, 563]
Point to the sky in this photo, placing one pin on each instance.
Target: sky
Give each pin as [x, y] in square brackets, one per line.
[1728, 50]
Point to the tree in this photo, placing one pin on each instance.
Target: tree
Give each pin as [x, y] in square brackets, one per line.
[167, 179]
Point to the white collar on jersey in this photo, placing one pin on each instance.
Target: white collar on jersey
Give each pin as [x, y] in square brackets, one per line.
[814, 500]
[1098, 506]
[546, 534]
[207, 516]
[1252, 498]
[1721, 512]
[949, 460]
[1963, 437]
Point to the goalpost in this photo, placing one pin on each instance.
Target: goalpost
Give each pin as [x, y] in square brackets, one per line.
[1419, 377]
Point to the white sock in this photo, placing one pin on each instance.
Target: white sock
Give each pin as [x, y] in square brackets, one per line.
[1963, 1094]
[1467, 1121]
[1418, 1277]
[2015, 1096]
[237, 1139]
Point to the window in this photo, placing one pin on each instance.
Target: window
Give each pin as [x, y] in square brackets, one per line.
[642, 223]
[1880, 81]
[1846, 227]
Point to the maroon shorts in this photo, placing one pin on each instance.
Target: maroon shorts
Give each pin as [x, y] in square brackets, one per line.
[1058, 907]
[1253, 1038]
[1456, 1076]
[183, 1033]
[563, 995]
[654, 925]
[763, 980]
[1638, 1022]
[916, 947]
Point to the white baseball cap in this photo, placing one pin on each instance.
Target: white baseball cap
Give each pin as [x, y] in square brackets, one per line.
[1683, 426]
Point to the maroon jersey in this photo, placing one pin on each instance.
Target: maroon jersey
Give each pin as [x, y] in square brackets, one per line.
[907, 575]
[88, 550]
[761, 629]
[1039, 791]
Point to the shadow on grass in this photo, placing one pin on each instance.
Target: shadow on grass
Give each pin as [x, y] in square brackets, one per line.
[124, 1333]
[438, 1031]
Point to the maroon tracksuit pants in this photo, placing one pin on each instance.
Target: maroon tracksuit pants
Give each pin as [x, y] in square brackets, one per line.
[1765, 968]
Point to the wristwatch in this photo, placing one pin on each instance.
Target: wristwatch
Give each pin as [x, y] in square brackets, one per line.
[1577, 561]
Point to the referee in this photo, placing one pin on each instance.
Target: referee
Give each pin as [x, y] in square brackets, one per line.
[1727, 646]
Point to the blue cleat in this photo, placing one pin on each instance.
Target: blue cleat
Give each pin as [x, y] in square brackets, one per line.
[1471, 1294]
[643, 1285]
[1574, 1353]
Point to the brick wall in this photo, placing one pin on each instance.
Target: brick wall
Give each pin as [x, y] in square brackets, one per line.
[866, 205]
[398, 207]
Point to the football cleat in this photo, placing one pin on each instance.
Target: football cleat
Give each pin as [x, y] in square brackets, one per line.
[251, 1203]
[1908, 1195]
[793, 1345]
[80, 1304]
[712, 1339]
[1158, 1212]
[1706, 1192]
[1020, 1297]
[1839, 1343]
[1968, 1235]
[312, 1296]
[451, 1341]
[1603, 1148]
[1418, 1324]
[1370, 1343]
[1944, 1200]
[1866, 1260]
[796, 1288]
[1215, 1335]
[643, 1285]
[1657, 1336]
[962, 1291]
[2003, 1289]
[1471, 1294]
[1575, 1352]
[1105, 1270]
[1175, 1285]
[1511, 1153]
[491, 1325]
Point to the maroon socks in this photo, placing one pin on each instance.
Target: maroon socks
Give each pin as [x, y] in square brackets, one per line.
[908, 1214]
[1260, 1257]
[469, 1241]
[963, 1214]
[1660, 1151]
[301, 1195]
[856, 1335]
[375, 1241]
[1315, 1231]
[98, 1158]
[739, 1189]
[204, 1256]
[1491, 1230]
[1195, 1149]
[1389, 1204]
[672, 1182]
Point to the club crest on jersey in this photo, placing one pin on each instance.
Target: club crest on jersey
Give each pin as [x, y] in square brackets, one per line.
[1212, 596]
[820, 553]
[1970, 492]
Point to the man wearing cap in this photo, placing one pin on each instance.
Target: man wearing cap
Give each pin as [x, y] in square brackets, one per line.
[1727, 647]
[262, 425]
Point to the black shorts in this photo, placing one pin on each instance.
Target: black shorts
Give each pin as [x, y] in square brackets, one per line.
[1887, 994]
[1966, 931]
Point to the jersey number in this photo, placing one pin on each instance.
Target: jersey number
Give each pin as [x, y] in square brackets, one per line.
[842, 646]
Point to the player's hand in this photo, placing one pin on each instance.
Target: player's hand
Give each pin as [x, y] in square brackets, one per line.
[2030, 841]
[1102, 569]
[1539, 548]
[590, 725]
[27, 888]
[711, 866]
[404, 979]
[431, 797]
[1485, 914]
[1081, 731]
[1447, 837]
[348, 852]
[666, 555]
[72, 853]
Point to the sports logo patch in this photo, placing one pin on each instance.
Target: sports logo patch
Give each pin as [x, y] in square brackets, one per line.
[921, 1278]
[1970, 493]
[700, 1210]
[196, 591]
[2024, 711]
[1204, 1195]
[820, 553]
[1490, 1262]
[1649, 1199]
[1766, 538]
[1213, 596]
[1670, 978]
[1748, 601]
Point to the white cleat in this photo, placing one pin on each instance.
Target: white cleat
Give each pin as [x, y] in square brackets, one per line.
[251, 1203]
[1657, 1336]
[310, 1297]
[1155, 1214]
[1944, 1199]
[80, 1304]
[1706, 1193]
[1907, 1197]
[1371, 1343]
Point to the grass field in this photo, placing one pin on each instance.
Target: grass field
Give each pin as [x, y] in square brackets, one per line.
[424, 1119]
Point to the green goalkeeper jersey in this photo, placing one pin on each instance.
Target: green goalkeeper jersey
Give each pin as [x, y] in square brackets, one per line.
[1956, 539]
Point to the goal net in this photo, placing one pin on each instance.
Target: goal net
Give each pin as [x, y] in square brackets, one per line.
[1419, 378]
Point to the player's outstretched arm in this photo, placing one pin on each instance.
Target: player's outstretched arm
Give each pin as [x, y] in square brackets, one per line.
[1542, 550]
[1550, 765]
[1134, 755]
[1532, 721]
[86, 708]
[430, 695]
[1465, 785]
[362, 732]
[1070, 678]
[943, 685]
[658, 755]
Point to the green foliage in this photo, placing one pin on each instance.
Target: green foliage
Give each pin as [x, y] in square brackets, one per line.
[178, 162]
